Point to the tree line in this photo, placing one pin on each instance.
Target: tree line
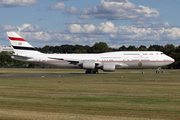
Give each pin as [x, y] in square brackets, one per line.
[169, 49]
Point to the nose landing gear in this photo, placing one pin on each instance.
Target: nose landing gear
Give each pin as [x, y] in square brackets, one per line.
[157, 71]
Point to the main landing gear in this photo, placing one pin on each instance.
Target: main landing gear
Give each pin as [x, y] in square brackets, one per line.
[95, 71]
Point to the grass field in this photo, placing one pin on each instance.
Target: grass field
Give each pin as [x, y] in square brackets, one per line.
[123, 95]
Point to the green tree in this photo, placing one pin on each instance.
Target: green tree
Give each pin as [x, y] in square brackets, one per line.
[142, 48]
[132, 48]
[123, 48]
[100, 47]
[169, 48]
[178, 49]
[46, 49]
[155, 48]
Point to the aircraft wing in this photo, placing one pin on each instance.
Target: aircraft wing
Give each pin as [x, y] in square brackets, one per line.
[21, 56]
[72, 61]
[65, 59]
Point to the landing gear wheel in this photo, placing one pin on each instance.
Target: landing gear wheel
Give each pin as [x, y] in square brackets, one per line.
[157, 71]
[88, 71]
[92, 71]
[95, 72]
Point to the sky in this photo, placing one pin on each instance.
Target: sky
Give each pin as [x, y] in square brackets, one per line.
[85, 22]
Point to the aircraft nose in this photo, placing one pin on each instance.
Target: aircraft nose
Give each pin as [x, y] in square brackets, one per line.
[172, 60]
[168, 60]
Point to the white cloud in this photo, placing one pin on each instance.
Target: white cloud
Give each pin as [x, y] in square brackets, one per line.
[30, 28]
[36, 34]
[152, 25]
[55, 31]
[84, 17]
[16, 3]
[59, 6]
[6, 28]
[75, 28]
[44, 36]
[72, 11]
[124, 33]
[23, 26]
[103, 28]
[170, 34]
[76, 22]
[119, 10]
[61, 0]
[147, 34]
[90, 33]
[106, 28]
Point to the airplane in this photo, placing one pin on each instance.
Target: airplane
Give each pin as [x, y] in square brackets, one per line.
[108, 61]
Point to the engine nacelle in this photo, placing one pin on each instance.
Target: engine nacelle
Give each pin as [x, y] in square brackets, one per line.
[108, 68]
[88, 65]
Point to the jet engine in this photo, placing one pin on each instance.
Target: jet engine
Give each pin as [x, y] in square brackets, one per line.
[108, 68]
[88, 65]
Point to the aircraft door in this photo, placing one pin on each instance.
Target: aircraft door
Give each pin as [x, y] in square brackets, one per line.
[141, 56]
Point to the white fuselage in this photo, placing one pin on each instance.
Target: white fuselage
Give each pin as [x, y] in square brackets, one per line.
[122, 59]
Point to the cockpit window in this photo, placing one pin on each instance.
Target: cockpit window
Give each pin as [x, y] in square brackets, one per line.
[162, 53]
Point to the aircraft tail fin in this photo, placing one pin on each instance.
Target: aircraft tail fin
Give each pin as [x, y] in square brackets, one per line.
[20, 45]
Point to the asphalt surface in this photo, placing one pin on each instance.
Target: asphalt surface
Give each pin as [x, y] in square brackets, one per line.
[41, 75]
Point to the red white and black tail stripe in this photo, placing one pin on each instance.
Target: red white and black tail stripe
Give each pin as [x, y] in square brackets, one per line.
[18, 42]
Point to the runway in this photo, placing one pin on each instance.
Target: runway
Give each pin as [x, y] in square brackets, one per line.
[41, 75]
